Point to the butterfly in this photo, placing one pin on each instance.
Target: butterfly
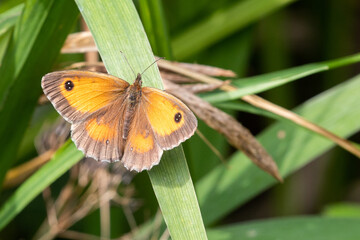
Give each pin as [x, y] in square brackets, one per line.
[112, 120]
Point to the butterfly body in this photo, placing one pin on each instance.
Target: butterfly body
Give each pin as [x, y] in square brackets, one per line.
[115, 121]
[133, 98]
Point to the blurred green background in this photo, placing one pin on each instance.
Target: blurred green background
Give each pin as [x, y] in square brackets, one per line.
[250, 37]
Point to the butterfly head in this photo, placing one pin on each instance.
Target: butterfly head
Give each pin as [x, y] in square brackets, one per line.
[138, 80]
[135, 89]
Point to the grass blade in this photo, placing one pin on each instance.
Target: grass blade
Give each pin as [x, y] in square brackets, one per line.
[342, 209]
[116, 27]
[63, 160]
[38, 37]
[7, 22]
[257, 84]
[9, 18]
[226, 188]
[222, 24]
[298, 228]
[153, 18]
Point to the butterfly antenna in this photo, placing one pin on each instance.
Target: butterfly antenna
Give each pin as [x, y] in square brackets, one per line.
[152, 64]
[128, 62]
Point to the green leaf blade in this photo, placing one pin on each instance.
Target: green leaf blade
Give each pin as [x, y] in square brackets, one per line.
[64, 159]
[31, 52]
[118, 28]
[264, 82]
[232, 186]
[223, 24]
[297, 228]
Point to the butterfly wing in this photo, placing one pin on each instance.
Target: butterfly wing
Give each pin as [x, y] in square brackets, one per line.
[171, 120]
[100, 135]
[78, 94]
[95, 104]
[141, 149]
[160, 122]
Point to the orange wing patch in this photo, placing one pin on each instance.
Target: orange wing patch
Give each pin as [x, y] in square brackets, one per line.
[171, 120]
[168, 119]
[101, 132]
[142, 142]
[78, 94]
[141, 149]
[87, 95]
[99, 135]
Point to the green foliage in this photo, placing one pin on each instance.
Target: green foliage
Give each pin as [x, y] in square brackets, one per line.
[293, 150]
[292, 228]
[261, 83]
[222, 24]
[342, 210]
[64, 159]
[45, 24]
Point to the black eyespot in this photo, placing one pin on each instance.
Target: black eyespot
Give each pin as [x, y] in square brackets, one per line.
[69, 85]
[177, 117]
[107, 141]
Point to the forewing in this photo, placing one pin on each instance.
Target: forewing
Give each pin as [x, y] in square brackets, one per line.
[79, 94]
